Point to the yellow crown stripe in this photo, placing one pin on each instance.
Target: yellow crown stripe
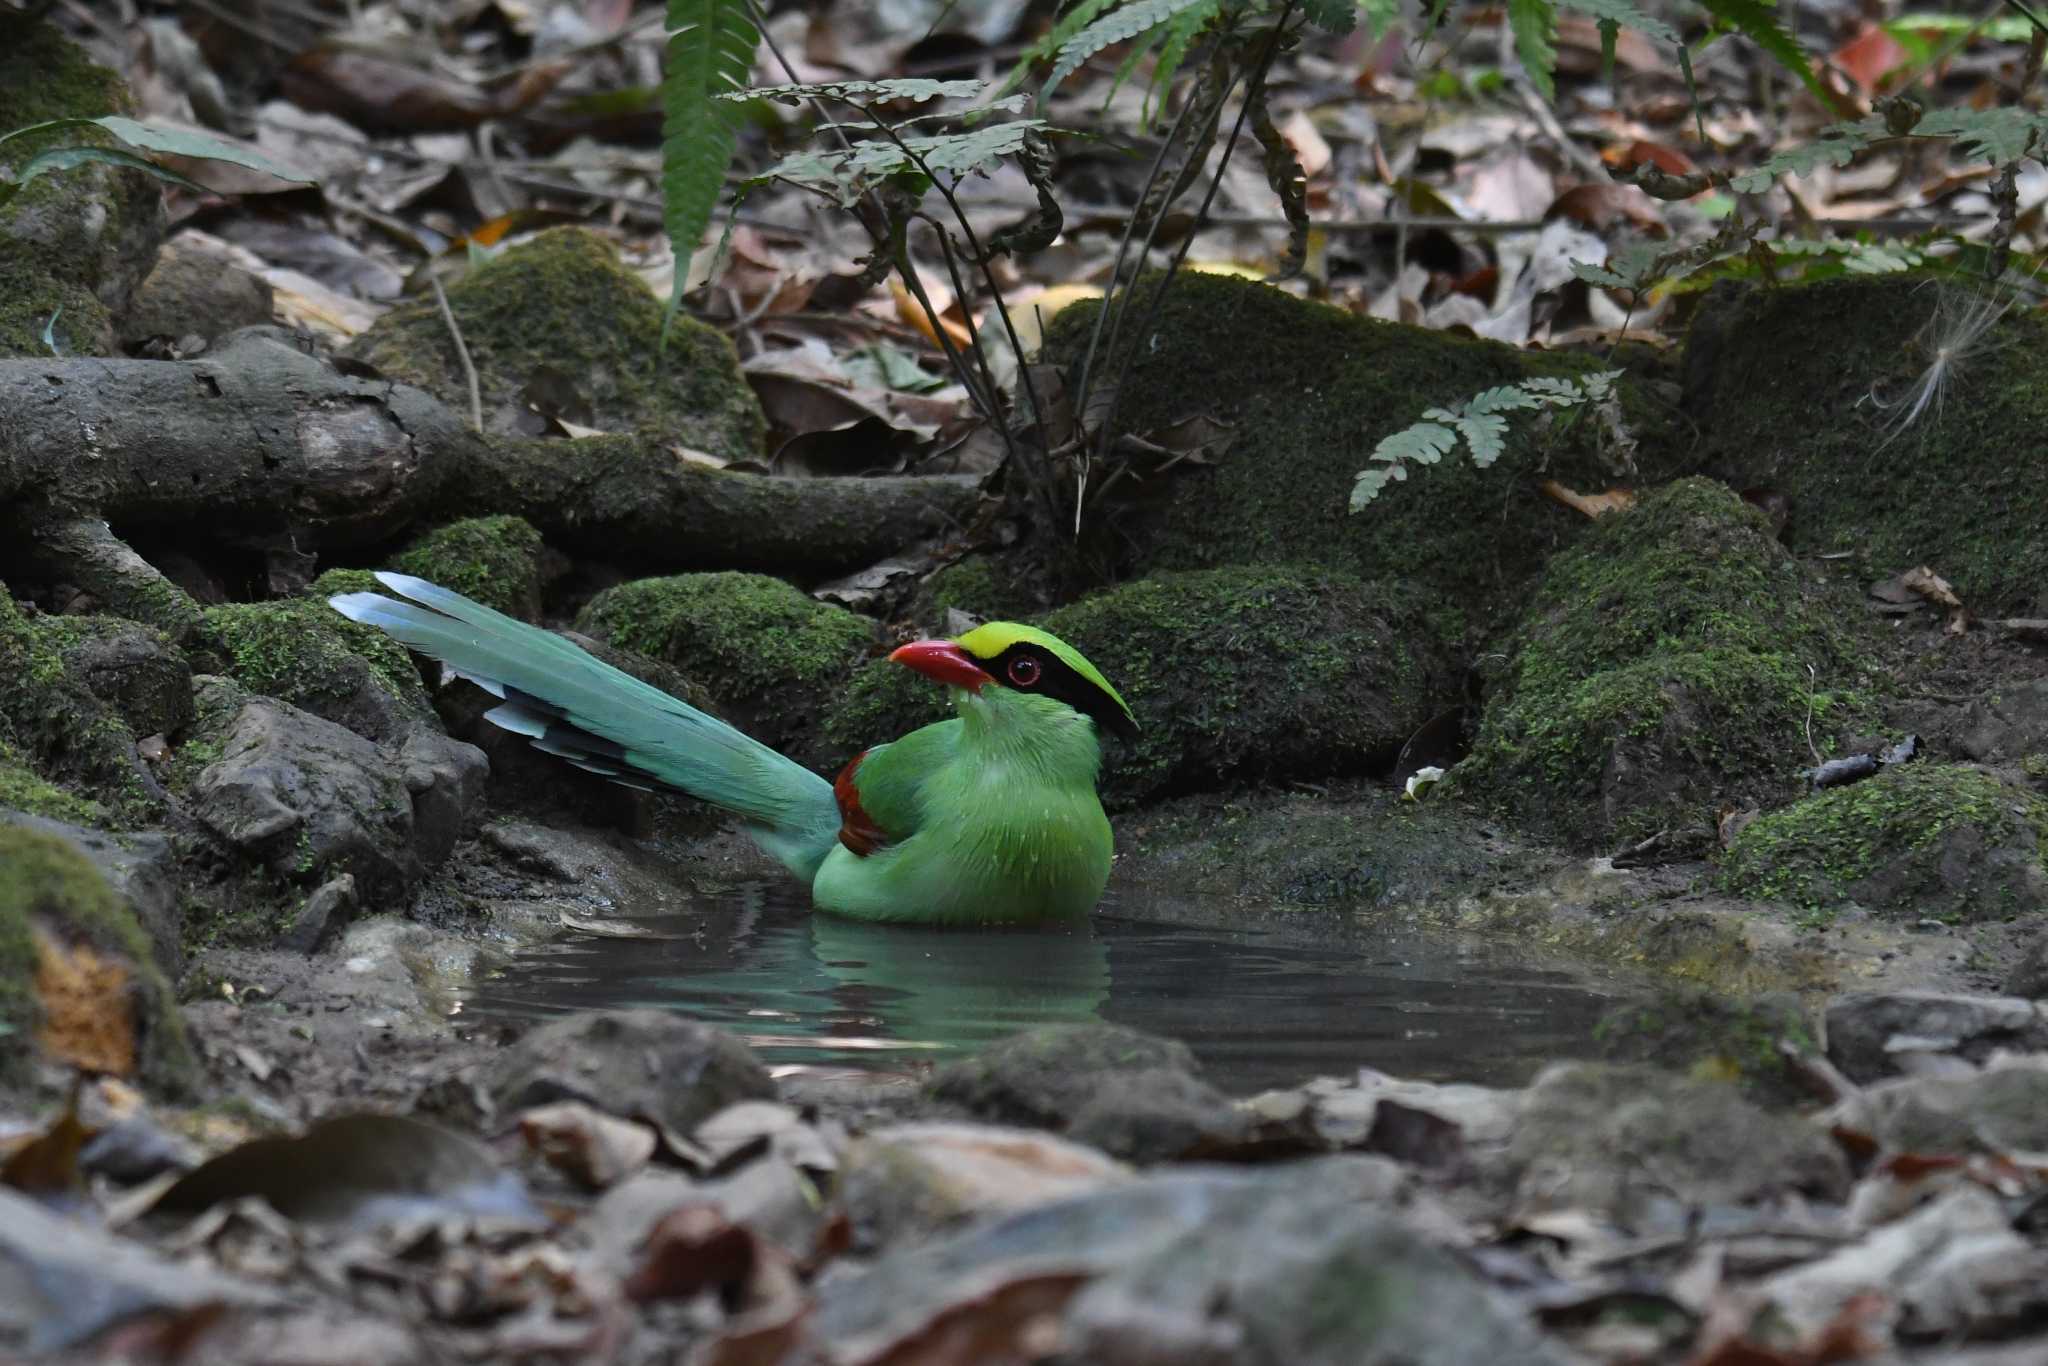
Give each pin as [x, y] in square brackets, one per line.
[991, 639]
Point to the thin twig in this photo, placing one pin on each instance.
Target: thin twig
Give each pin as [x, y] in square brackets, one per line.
[1253, 87]
[1812, 681]
[476, 397]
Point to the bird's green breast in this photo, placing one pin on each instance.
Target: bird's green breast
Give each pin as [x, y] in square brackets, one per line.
[1009, 828]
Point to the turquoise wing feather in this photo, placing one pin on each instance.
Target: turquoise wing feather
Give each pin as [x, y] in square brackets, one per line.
[572, 704]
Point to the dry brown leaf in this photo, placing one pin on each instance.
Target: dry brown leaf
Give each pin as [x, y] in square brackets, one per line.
[1311, 148]
[910, 312]
[88, 1013]
[1590, 504]
[594, 1148]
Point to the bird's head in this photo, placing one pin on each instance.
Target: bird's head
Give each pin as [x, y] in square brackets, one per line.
[1004, 654]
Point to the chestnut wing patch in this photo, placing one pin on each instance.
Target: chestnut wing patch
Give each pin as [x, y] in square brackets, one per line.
[857, 830]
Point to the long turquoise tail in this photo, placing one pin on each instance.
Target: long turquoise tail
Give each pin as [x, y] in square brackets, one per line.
[576, 706]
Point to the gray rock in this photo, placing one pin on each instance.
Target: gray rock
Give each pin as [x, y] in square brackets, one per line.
[2008, 725]
[1091, 1235]
[143, 871]
[138, 675]
[446, 779]
[1883, 1034]
[1159, 1115]
[1043, 1077]
[194, 289]
[1642, 1145]
[2029, 976]
[63, 1281]
[332, 905]
[912, 1180]
[306, 797]
[2002, 1109]
[1302, 1282]
[645, 1064]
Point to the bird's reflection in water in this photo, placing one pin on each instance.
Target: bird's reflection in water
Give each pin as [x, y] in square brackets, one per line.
[820, 991]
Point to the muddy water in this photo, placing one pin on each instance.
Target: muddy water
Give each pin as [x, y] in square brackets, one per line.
[1260, 1007]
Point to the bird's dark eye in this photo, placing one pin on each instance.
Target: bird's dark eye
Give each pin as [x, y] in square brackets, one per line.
[1023, 671]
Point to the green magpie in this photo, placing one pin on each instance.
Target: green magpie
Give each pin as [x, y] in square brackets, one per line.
[990, 817]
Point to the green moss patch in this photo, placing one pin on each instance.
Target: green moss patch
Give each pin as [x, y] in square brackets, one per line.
[1782, 379]
[1918, 840]
[1711, 1036]
[562, 305]
[769, 655]
[64, 733]
[78, 240]
[303, 652]
[494, 560]
[1671, 661]
[1308, 391]
[46, 884]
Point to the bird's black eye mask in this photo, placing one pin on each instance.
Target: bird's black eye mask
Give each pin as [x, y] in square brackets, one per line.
[1035, 669]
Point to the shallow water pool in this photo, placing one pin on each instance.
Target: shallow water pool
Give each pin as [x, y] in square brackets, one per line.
[1260, 1007]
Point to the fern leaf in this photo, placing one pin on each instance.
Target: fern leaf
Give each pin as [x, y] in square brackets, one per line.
[1331, 16]
[710, 53]
[1627, 15]
[2000, 135]
[1535, 24]
[1114, 27]
[1837, 145]
[1380, 15]
[1370, 482]
[1425, 443]
[1181, 31]
[1506, 398]
[1486, 434]
[1758, 21]
[879, 92]
[1547, 391]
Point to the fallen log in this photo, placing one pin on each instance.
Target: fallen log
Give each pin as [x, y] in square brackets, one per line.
[260, 444]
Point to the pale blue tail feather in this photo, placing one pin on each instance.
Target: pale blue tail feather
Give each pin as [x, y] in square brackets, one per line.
[569, 703]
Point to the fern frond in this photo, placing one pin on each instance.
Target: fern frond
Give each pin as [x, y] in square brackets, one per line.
[2000, 135]
[847, 174]
[1333, 16]
[1112, 28]
[1425, 443]
[915, 90]
[1836, 145]
[1181, 31]
[1757, 20]
[1535, 25]
[1486, 434]
[710, 53]
[1627, 15]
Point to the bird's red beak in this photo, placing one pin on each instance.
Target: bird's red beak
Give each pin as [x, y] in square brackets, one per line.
[944, 662]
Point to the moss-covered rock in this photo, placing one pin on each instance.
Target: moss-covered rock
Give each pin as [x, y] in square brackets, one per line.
[985, 587]
[1781, 380]
[1345, 846]
[1663, 668]
[1238, 674]
[1309, 390]
[134, 669]
[80, 240]
[49, 892]
[303, 652]
[23, 789]
[771, 657]
[1712, 1036]
[563, 305]
[495, 560]
[1948, 841]
[60, 729]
